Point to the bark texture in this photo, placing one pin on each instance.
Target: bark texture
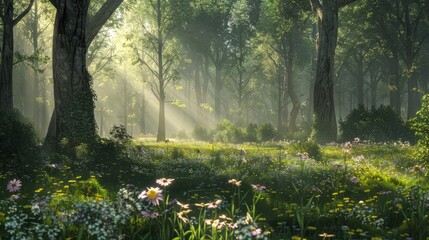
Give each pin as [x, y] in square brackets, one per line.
[325, 127]
[73, 116]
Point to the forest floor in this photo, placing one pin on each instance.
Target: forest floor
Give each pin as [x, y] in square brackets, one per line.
[274, 190]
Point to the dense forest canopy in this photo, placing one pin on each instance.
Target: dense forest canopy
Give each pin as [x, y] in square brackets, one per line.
[162, 67]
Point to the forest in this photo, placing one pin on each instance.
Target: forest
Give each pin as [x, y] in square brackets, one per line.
[248, 119]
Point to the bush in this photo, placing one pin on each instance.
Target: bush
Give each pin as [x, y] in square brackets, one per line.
[252, 133]
[201, 133]
[310, 147]
[19, 149]
[267, 132]
[420, 124]
[376, 124]
[120, 134]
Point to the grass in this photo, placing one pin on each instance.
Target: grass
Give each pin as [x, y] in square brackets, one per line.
[367, 192]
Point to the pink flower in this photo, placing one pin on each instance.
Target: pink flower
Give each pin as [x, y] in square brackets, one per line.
[14, 185]
[258, 187]
[151, 214]
[164, 181]
[214, 204]
[152, 195]
[256, 231]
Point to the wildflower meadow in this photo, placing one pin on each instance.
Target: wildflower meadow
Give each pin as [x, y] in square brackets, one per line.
[182, 190]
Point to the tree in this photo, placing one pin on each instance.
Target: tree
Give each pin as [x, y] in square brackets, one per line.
[9, 21]
[73, 117]
[244, 17]
[34, 29]
[325, 126]
[161, 57]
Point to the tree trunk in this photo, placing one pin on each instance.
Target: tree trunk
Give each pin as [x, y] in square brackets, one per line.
[218, 89]
[198, 92]
[296, 105]
[394, 84]
[161, 119]
[73, 116]
[36, 102]
[360, 81]
[280, 88]
[324, 109]
[6, 93]
[312, 80]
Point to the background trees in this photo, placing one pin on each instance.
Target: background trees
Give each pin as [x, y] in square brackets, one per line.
[248, 61]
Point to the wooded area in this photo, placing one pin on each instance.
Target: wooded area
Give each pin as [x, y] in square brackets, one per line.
[162, 67]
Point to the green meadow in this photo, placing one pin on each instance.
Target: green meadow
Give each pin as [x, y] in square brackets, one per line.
[142, 189]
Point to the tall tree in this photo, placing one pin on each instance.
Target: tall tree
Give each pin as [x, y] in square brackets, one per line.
[161, 55]
[74, 30]
[244, 17]
[34, 29]
[325, 126]
[9, 21]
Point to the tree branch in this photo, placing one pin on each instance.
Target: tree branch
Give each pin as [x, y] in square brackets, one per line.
[19, 18]
[95, 23]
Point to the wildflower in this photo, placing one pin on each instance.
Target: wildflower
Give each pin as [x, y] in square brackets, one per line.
[256, 231]
[152, 195]
[224, 217]
[354, 180]
[358, 158]
[241, 150]
[326, 235]
[181, 214]
[345, 228]
[14, 197]
[416, 169]
[214, 204]
[202, 204]
[234, 182]
[185, 206]
[164, 181]
[151, 214]
[14, 185]
[258, 187]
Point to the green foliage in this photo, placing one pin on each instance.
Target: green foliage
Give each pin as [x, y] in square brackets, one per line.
[18, 143]
[375, 124]
[120, 134]
[267, 132]
[420, 124]
[313, 149]
[78, 119]
[226, 132]
[201, 133]
[252, 132]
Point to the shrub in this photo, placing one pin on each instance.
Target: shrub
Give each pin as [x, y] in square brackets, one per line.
[18, 143]
[119, 133]
[310, 147]
[420, 124]
[252, 133]
[201, 133]
[267, 132]
[375, 124]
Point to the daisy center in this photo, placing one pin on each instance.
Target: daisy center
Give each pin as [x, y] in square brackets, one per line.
[152, 194]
